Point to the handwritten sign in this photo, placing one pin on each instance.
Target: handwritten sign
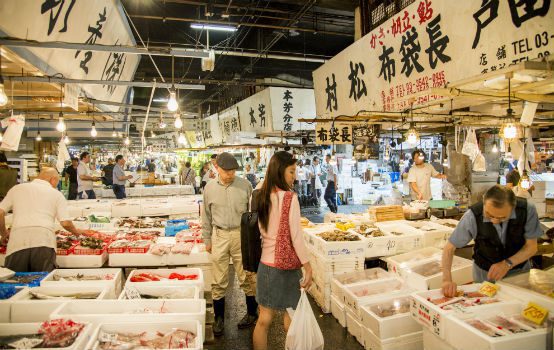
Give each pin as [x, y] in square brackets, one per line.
[489, 289]
[535, 313]
[132, 293]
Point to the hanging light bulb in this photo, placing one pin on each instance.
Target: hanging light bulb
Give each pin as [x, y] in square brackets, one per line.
[182, 139]
[172, 105]
[509, 131]
[525, 181]
[66, 140]
[152, 134]
[494, 147]
[3, 96]
[114, 134]
[38, 138]
[61, 127]
[412, 135]
[93, 131]
[127, 141]
[178, 122]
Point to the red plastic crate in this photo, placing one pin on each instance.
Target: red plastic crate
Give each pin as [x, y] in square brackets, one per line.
[68, 251]
[78, 250]
[118, 250]
[138, 250]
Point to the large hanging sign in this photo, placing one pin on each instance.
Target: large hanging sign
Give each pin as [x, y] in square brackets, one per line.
[255, 112]
[289, 105]
[333, 133]
[72, 21]
[427, 45]
[229, 123]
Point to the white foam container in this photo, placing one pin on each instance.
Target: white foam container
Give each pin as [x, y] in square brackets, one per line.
[354, 326]
[341, 280]
[386, 287]
[115, 283]
[338, 310]
[165, 273]
[411, 341]
[513, 286]
[434, 234]
[82, 261]
[397, 263]
[190, 292]
[25, 295]
[126, 208]
[32, 328]
[462, 273]
[137, 259]
[322, 295]
[325, 267]
[151, 327]
[433, 342]
[391, 326]
[124, 311]
[410, 239]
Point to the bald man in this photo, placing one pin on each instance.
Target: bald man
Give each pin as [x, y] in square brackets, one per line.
[35, 206]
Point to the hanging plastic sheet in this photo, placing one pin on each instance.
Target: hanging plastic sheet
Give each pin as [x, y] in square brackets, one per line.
[12, 136]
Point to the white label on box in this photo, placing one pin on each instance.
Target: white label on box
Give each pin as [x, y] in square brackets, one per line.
[132, 292]
[436, 320]
[26, 343]
[105, 337]
[391, 245]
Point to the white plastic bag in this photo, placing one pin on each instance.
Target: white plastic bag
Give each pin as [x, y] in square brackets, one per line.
[471, 148]
[480, 164]
[304, 332]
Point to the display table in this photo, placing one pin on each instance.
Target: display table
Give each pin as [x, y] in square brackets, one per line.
[150, 191]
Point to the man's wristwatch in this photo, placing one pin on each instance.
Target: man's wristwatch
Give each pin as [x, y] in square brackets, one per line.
[509, 263]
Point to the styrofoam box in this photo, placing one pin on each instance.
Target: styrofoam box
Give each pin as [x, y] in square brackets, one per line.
[397, 263]
[82, 261]
[326, 267]
[341, 280]
[125, 311]
[32, 328]
[381, 246]
[126, 208]
[436, 319]
[165, 273]
[391, 326]
[434, 234]
[322, 297]
[338, 310]
[471, 338]
[354, 326]
[412, 341]
[377, 289]
[74, 211]
[115, 282]
[527, 295]
[167, 292]
[81, 225]
[149, 327]
[188, 259]
[462, 273]
[102, 207]
[331, 249]
[410, 239]
[208, 276]
[25, 295]
[137, 259]
[158, 209]
[433, 342]
[311, 232]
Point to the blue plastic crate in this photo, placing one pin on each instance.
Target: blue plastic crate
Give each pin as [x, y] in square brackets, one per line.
[174, 226]
[395, 176]
[35, 282]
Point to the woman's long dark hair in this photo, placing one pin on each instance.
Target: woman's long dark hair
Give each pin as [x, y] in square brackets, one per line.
[274, 177]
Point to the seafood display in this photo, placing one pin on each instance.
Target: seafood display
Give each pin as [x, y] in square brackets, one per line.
[338, 236]
[92, 243]
[141, 223]
[370, 274]
[160, 249]
[52, 334]
[25, 278]
[379, 289]
[99, 219]
[181, 293]
[504, 324]
[526, 322]
[82, 277]
[427, 269]
[537, 280]
[391, 308]
[491, 332]
[174, 339]
[62, 295]
[369, 231]
[150, 277]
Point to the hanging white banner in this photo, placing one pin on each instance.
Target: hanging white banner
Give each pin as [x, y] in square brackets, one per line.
[288, 105]
[255, 112]
[427, 45]
[229, 122]
[72, 21]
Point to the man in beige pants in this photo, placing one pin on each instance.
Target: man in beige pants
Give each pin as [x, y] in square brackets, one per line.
[225, 200]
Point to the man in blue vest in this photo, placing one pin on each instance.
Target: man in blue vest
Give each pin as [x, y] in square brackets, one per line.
[505, 229]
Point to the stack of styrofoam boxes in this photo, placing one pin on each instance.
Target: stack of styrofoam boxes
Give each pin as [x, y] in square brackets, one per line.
[338, 308]
[434, 234]
[421, 269]
[126, 208]
[13, 329]
[539, 195]
[402, 238]
[452, 320]
[357, 295]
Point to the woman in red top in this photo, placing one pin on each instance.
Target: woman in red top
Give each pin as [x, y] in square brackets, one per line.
[279, 276]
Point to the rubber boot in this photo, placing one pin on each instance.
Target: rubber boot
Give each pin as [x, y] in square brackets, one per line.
[251, 315]
[219, 313]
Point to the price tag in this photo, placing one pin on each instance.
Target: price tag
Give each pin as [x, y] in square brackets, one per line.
[132, 293]
[25, 343]
[535, 313]
[105, 337]
[489, 289]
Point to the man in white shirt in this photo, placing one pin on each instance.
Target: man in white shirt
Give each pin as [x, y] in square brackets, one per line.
[420, 175]
[212, 172]
[36, 206]
[316, 181]
[332, 185]
[85, 180]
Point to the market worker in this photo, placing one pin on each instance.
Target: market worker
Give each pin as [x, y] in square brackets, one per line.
[36, 206]
[225, 200]
[505, 230]
[107, 172]
[70, 174]
[119, 178]
[419, 177]
[211, 172]
[85, 179]
[332, 185]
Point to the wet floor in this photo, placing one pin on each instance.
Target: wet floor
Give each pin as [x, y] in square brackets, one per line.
[335, 336]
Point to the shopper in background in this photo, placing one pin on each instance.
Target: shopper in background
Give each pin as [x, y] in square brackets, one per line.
[70, 179]
[85, 180]
[300, 181]
[279, 277]
[419, 177]
[203, 172]
[188, 175]
[151, 166]
[211, 172]
[332, 185]
[308, 175]
[107, 173]
[505, 230]
[36, 206]
[225, 200]
[249, 175]
[317, 186]
[119, 178]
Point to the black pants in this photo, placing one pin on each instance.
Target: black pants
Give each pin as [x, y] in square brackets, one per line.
[36, 259]
[90, 194]
[72, 191]
[119, 191]
[331, 196]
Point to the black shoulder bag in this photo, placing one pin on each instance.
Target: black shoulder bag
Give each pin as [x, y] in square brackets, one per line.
[250, 236]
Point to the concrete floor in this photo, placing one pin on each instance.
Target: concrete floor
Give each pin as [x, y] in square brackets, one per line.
[335, 336]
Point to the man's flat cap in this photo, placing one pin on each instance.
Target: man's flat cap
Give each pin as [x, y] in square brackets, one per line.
[226, 161]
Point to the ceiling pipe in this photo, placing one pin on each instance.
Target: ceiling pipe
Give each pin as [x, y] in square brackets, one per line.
[103, 82]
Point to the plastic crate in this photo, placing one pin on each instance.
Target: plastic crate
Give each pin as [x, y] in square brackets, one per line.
[35, 282]
[174, 226]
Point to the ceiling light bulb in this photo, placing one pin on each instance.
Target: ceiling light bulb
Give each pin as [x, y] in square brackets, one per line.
[178, 122]
[172, 103]
[525, 182]
[510, 131]
[162, 125]
[494, 148]
[114, 134]
[3, 96]
[93, 131]
[181, 139]
[127, 141]
[38, 138]
[412, 136]
[152, 134]
[66, 140]
[61, 127]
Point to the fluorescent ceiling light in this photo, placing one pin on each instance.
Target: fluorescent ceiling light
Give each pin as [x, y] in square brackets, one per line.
[222, 28]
